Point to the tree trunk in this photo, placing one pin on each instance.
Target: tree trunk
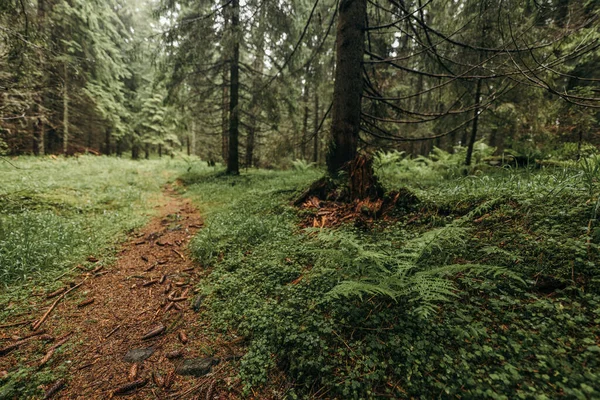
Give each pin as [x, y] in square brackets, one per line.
[135, 149]
[193, 138]
[234, 116]
[40, 134]
[348, 86]
[475, 123]
[147, 151]
[107, 142]
[225, 118]
[316, 128]
[304, 140]
[159, 150]
[65, 110]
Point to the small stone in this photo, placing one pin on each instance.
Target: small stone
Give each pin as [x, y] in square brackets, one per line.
[197, 302]
[197, 367]
[138, 355]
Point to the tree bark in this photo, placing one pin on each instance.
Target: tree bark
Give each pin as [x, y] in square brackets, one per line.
[107, 142]
[65, 110]
[225, 118]
[348, 86]
[316, 128]
[304, 141]
[193, 138]
[41, 126]
[234, 116]
[475, 124]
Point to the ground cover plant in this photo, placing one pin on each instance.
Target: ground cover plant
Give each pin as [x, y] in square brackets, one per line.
[486, 288]
[57, 214]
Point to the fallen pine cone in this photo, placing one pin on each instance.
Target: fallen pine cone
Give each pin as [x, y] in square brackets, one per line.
[85, 303]
[128, 387]
[154, 332]
[133, 372]
[174, 354]
[158, 380]
[169, 379]
[183, 337]
[56, 293]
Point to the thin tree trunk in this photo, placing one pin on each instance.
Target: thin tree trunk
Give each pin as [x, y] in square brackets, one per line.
[348, 86]
[147, 151]
[40, 134]
[304, 140]
[193, 138]
[159, 150]
[225, 118]
[107, 142]
[475, 123]
[234, 116]
[316, 128]
[65, 110]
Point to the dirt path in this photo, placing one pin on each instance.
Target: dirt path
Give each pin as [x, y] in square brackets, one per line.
[149, 288]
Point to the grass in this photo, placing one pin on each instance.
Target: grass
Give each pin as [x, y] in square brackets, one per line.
[534, 335]
[54, 214]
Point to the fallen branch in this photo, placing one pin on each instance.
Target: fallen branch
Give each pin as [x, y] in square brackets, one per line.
[56, 293]
[128, 387]
[85, 303]
[154, 332]
[174, 354]
[178, 253]
[17, 324]
[39, 323]
[19, 343]
[31, 334]
[50, 352]
[112, 332]
[55, 389]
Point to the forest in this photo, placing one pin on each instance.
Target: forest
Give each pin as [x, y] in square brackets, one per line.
[299, 199]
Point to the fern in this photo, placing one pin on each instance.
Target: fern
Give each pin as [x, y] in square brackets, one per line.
[410, 274]
[301, 165]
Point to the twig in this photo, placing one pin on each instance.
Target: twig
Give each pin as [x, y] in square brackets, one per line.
[54, 389]
[36, 325]
[154, 332]
[86, 303]
[17, 324]
[178, 253]
[112, 332]
[53, 349]
[123, 389]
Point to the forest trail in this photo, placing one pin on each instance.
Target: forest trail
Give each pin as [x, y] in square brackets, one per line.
[148, 291]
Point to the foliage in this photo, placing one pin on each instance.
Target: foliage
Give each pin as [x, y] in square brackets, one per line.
[331, 313]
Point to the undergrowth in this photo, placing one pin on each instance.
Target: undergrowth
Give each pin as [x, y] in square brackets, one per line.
[54, 214]
[488, 290]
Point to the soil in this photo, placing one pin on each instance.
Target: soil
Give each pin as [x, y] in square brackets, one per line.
[132, 298]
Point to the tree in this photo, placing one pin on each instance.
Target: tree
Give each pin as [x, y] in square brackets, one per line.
[441, 61]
